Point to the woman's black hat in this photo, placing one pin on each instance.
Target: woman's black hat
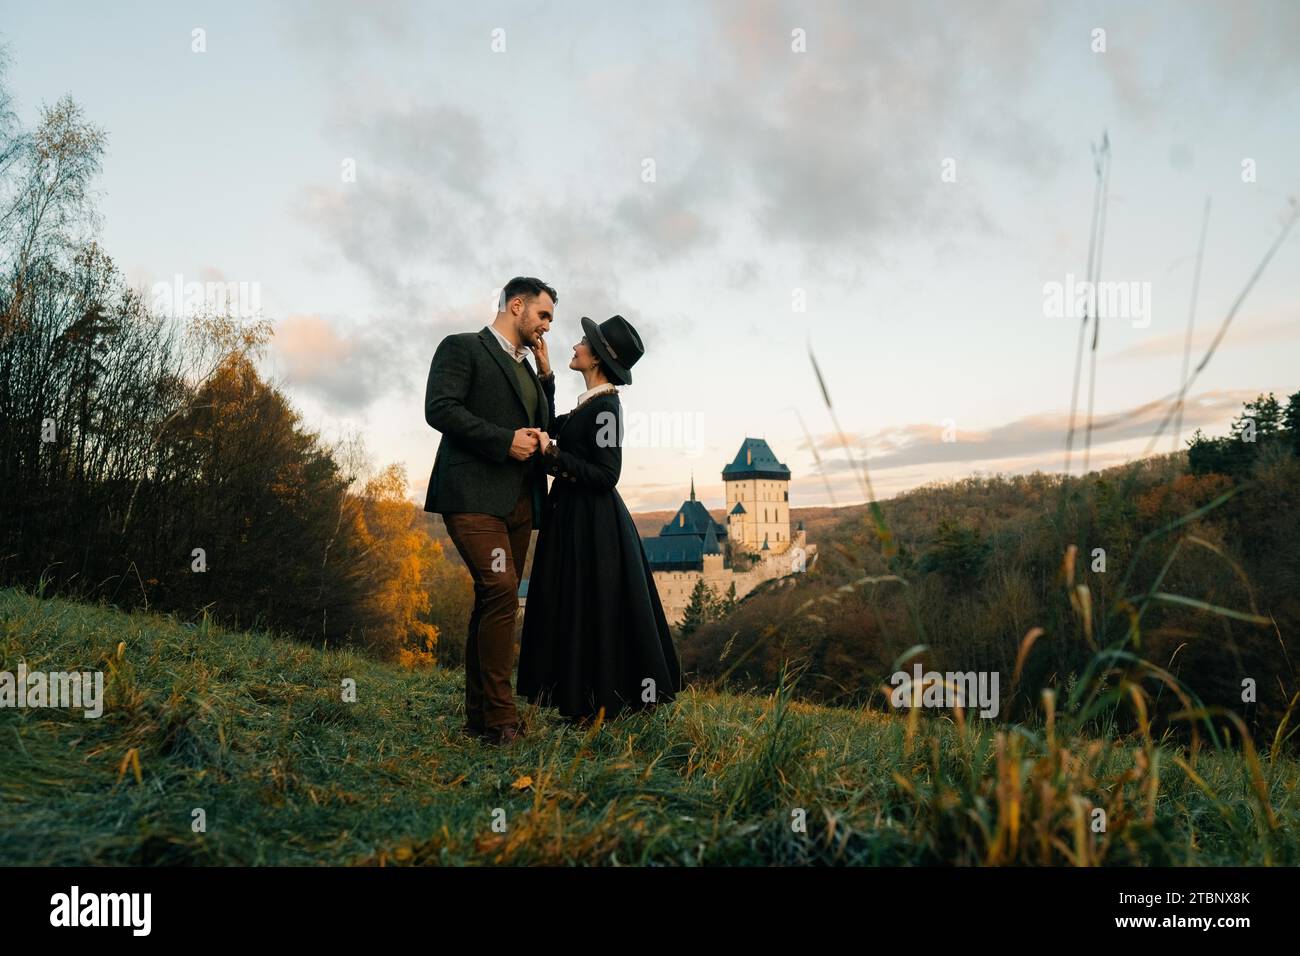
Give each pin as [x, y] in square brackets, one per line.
[617, 344]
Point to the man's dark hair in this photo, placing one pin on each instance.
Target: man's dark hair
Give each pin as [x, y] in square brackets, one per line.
[527, 286]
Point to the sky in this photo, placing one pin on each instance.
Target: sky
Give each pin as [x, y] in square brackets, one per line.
[895, 187]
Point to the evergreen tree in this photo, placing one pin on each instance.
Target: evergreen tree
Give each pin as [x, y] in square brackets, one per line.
[1262, 422]
[959, 553]
[700, 610]
[1291, 423]
[722, 606]
[1205, 455]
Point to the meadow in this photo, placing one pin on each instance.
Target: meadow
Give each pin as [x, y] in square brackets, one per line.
[248, 733]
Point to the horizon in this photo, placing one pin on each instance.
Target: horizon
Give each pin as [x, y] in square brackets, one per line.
[938, 484]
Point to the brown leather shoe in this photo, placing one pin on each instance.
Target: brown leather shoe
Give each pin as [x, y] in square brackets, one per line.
[505, 734]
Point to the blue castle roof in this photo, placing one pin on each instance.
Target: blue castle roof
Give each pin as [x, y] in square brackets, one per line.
[689, 535]
[755, 460]
[678, 553]
[692, 518]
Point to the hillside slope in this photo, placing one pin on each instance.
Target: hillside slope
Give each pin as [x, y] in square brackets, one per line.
[251, 730]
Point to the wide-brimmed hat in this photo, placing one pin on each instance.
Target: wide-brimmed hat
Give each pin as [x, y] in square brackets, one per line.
[617, 344]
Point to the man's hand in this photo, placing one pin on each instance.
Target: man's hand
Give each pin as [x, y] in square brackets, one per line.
[542, 356]
[525, 444]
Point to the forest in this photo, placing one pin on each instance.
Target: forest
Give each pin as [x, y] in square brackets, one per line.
[145, 461]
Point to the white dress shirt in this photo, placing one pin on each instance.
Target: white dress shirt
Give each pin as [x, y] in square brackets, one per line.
[518, 354]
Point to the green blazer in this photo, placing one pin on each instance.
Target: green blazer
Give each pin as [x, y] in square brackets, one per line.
[474, 399]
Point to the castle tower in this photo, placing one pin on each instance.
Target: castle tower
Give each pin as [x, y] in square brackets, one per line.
[758, 499]
[711, 557]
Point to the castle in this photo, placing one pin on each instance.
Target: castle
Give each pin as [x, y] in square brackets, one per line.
[756, 544]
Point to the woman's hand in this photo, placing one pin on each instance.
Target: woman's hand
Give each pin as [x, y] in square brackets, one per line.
[542, 356]
[545, 440]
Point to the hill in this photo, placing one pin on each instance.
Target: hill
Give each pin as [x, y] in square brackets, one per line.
[250, 730]
[1195, 571]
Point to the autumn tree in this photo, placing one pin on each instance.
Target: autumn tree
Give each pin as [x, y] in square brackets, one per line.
[145, 460]
[400, 556]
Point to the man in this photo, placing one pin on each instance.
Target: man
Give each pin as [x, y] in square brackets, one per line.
[489, 483]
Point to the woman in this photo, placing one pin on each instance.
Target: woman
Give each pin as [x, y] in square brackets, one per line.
[594, 635]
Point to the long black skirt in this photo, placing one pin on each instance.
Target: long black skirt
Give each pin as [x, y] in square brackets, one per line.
[594, 634]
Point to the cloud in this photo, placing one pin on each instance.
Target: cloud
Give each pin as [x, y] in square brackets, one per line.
[839, 148]
[835, 150]
[418, 210]
[333, 31]
[915, 455]
[1248, 46]
[831, 150]
[346, 372]
[763, 155]
[1175, 343]
[1027, 437]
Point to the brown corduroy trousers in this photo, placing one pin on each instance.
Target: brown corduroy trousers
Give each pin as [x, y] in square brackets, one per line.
[494, 550]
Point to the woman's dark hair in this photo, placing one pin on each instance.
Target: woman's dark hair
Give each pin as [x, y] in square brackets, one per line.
[527, 286]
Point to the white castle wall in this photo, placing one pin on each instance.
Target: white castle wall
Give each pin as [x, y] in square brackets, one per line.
[675, 587]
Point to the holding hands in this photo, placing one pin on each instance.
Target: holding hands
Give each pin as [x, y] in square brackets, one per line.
[529, 441]
[524, 445]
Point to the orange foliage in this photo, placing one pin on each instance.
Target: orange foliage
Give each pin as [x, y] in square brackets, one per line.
[1184, 494]
[403, 557]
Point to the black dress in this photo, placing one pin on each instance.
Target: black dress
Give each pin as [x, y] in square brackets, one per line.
[594, 634]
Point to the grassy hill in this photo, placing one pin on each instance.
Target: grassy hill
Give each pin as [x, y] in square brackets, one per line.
[251, 729]
[1196, 574]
